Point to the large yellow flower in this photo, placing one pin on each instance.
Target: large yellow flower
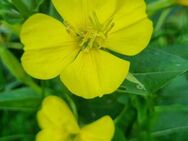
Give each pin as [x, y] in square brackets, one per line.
[78, 48]
[58, 124]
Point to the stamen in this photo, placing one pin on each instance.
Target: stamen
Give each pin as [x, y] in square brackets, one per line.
[109, 24]
[95, 21]
[95, 36]
[109, 28]
[88, 40]
[84, 40]
[92, 41]
[70, 29]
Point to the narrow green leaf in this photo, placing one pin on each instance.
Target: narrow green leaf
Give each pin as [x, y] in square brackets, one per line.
[23, 9]
[2, 78]
[19, 99]
[13, 65]
[168, 132]
[9, 13]
[27, 7]
[17, 137]
[171, 125]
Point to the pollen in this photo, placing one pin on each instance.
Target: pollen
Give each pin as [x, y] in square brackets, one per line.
[92, 39]
[94, 36]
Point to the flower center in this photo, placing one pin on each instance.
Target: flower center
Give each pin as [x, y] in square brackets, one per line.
[95, 35]
[92, 39]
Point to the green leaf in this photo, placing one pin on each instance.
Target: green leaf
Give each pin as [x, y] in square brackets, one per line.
[14, 66]
[175, 92]
[38, 3]
[19, 99]
[33, 4]
[12, 17]
[2, 78]
[17, 137]
[154, 68]
[179, 50]
[27, 7]
[22, 7]
[5, 4]
[171, 125]
[9, 13]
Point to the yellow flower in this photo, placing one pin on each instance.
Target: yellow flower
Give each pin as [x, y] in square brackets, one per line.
[183, 2]
[58, 124]
[78, 49]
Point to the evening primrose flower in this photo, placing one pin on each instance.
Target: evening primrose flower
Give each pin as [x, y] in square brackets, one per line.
[58, 124]
[78, 49]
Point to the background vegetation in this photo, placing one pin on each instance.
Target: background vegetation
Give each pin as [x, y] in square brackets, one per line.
[152, 107]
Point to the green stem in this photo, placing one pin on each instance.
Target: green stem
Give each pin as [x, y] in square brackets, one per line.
[70, 101]
[15, 68]
[158, 28]
[2, 78]
[119, 117]
[34, 86]
[161, 19]
[144, 106]
[72, 105]
[158, 5]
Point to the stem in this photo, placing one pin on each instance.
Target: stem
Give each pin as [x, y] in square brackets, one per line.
[161, 19]
[145, 111]
[70, 101]
[15, 68]
[158, 5]
[159, 24]
[72, 105]
[119, 117]
[34, 86]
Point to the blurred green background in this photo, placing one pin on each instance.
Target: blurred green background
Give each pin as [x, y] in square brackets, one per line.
[154, 107]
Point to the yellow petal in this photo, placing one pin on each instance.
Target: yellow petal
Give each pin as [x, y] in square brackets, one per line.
[48, 47]
[56, 113]
[41, 31]
[43, 121]
[48, 63]
[52, 134]
[77, 12]
[131, 40]
[128, 13]
[100, 130]
[94, 73]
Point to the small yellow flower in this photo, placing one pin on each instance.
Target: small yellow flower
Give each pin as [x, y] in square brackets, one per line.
[78, 48]
[182, 2]
[58, 124]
